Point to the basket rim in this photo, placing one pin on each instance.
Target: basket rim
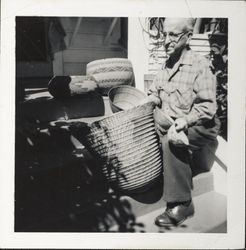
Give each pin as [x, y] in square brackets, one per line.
[112, 59]
[125, 88]
[148, 107]
[114, 88]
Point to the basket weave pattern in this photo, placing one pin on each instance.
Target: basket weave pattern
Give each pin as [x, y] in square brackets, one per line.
[111, 72]
[108, 64]
[97, 70]
[127, 146]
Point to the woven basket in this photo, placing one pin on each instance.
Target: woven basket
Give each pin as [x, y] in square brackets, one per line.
[111, 72]
[124, 97]
[126, 144]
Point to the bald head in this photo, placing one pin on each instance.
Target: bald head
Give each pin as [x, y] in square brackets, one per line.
[183, 24]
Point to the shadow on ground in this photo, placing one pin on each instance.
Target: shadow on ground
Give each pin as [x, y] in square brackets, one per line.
[59, 187]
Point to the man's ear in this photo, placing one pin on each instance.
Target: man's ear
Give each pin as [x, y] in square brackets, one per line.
[189, 36]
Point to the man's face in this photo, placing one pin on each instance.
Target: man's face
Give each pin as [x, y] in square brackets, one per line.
[177, 36]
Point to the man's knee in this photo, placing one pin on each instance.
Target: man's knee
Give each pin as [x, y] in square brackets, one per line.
[174, 153]
[203, 159]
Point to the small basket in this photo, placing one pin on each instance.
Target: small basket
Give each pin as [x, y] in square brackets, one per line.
[124, 97]
[127, 145]
[111, 72]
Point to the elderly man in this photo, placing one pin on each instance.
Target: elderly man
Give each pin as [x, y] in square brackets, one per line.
[184, 91]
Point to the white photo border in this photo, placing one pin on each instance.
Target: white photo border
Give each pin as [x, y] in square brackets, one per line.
[236, 14]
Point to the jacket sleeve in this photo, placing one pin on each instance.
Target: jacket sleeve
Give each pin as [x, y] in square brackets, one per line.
[153, 91]
[204, 107]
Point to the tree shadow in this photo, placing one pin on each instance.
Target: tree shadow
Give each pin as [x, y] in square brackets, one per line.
[45, 108]
[169, 229]
[60, 187]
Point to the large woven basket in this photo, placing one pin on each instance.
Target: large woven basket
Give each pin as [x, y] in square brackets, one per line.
[126, 144]
[111, 72]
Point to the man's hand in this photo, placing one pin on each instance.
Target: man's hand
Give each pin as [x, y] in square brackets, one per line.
[177, 138]
[151, 98]
[180, 124]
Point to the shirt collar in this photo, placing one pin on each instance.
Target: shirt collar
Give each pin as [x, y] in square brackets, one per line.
[185, 59]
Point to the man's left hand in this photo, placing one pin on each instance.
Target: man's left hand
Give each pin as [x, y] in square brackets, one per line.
[180, 124]
[151, 98]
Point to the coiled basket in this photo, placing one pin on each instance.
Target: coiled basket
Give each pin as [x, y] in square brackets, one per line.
[126, 144]
[111, 72]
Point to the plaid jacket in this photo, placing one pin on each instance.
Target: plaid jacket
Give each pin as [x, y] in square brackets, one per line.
[188, 89]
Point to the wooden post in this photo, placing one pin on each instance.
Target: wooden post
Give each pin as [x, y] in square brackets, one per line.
[110, 30]
[197, 26]
[138, 53]
[75, 30]
[58, 64]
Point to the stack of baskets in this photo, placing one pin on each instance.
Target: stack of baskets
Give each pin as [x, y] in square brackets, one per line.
[127, 146]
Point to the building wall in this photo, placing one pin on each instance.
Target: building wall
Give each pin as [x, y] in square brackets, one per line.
[32, 55]
[89, 44]
[138, 49]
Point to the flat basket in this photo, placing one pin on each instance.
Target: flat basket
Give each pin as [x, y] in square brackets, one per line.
[127, 146]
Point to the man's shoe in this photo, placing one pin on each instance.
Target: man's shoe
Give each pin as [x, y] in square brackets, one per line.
[175, 216]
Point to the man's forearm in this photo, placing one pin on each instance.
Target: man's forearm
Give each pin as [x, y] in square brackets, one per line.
[201, 112]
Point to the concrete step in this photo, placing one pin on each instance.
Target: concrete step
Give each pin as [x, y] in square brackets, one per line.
[210, 217]
[95, 214]
[142, 203]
